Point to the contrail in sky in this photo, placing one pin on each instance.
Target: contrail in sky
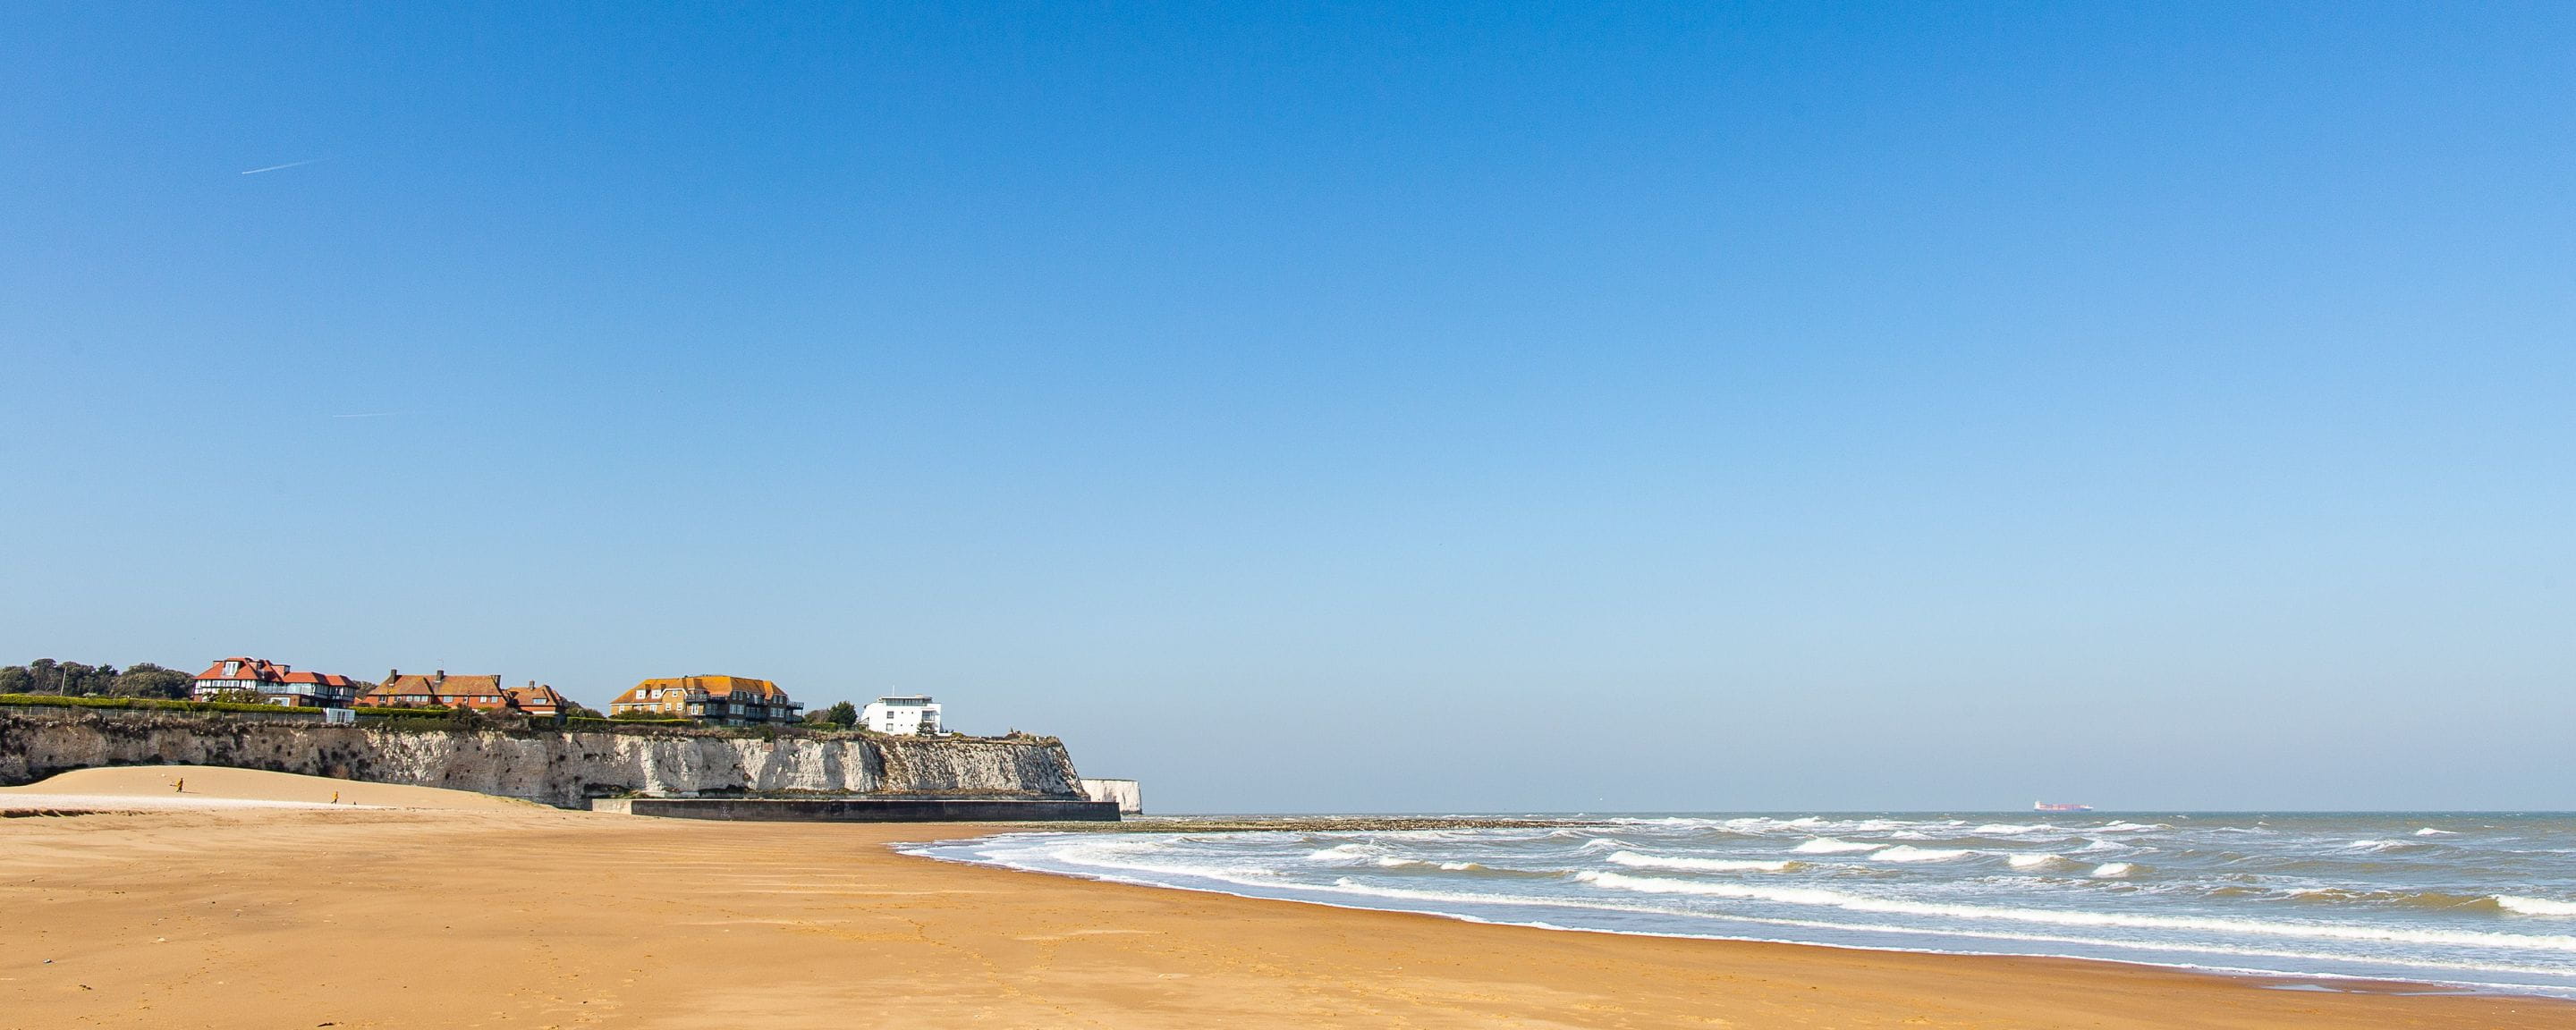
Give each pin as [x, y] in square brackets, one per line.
[272, 168]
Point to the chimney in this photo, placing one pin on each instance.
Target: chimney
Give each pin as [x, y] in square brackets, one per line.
[390, 674]
[441, 676]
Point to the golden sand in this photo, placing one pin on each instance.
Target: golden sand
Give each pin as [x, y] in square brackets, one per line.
[164, 787]
[497, 914]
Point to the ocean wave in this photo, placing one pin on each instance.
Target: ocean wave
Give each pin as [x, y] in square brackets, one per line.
[2091, 844]
[1831, 846]
[2376, 845]
[1709, 865]
[2523, 906]
[1761, 825]
[2540, 951]
[2431, 832]
[1598, 845]
[1392, 862]
[2432, 900]
[1910, 853]
[2033, 861]
[1129, 860]
[2114, 870]
[2012, 829]
[1813, 896]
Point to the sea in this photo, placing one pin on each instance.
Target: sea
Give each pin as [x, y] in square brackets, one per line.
[2480, 902]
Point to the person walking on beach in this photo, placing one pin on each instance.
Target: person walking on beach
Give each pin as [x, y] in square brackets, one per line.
[181, 786]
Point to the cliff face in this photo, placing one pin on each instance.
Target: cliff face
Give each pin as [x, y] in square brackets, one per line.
[561, 768]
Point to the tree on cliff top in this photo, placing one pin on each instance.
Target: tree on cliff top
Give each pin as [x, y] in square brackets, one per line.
[47, 676]
[841, 714]
[145, 679]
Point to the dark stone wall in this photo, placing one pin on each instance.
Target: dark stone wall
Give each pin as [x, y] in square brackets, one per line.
[874, 810]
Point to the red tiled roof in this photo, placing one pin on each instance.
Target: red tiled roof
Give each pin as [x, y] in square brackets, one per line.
[261, 670]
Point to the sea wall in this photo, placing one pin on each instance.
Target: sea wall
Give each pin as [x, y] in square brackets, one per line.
[556, 767]
[869, 810]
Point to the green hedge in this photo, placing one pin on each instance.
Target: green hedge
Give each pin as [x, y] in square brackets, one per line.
[586, 722]
[66, 701]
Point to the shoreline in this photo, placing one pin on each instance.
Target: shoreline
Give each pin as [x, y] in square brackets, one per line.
[528, 917]
[2259, 978]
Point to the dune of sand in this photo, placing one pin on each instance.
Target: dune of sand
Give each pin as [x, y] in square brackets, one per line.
[159, 788]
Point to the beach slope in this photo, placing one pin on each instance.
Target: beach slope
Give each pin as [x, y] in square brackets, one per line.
[515, 916]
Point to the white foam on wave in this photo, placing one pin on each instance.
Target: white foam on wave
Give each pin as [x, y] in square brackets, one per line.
[2520, 905]
[1830, 846]
[1707, 865]
[2102, 845]
[2113, 870]
[2055, 917]
[1601, 844]
[2126, 827]
[1343, 851]
[2033, 861]
[1910, 853]
[2431, 832]
[1128, 855]
[1392, 861]
[1998, 922]
[2011, 829]
[1817, 825]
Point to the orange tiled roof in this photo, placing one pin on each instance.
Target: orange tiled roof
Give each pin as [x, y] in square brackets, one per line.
[715, 686]
[537, 696]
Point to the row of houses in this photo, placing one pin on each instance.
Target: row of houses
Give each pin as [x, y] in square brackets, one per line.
[280, 684]
[719, 700]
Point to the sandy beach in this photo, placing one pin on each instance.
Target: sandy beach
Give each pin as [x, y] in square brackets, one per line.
[436, 909]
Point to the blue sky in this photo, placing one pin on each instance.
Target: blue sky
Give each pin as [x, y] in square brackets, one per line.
[1334, 408]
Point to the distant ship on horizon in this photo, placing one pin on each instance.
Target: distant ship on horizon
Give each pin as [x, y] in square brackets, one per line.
[2050, 806]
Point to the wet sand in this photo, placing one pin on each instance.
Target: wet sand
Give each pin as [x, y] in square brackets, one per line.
[460, 911]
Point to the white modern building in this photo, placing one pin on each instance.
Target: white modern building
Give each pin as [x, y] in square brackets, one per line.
[901, 715]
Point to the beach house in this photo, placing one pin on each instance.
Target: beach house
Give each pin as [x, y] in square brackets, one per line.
[904, 715]
[273, 683]
[438, 689]
[723, 700]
